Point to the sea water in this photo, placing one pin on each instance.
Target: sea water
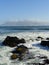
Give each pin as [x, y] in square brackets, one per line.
[26, 32]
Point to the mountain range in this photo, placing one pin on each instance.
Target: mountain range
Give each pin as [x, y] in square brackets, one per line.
[24, 23]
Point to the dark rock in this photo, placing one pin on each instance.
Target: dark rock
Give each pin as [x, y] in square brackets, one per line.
[11, 41]
[47, 38]
[20, 49]
[41, 64]
[39, 37]
[42, 57]
[46, 61]
[45, 43]
[14, 56]
[32, 63]
[22, 41]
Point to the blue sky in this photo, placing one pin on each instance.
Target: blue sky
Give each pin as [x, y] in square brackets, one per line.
[11, 10]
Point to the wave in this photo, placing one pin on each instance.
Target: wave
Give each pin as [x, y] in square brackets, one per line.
[24, 27]
[14, 29]
[36, 49]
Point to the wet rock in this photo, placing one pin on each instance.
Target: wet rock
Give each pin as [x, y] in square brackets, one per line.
[42, 57]
[45, 43]
[47, 38]
[46, 61]
[14, 56]
[20, 49]
[32, 63]
[41, 64]
[12, 41]
[39, 37]
[22, 41]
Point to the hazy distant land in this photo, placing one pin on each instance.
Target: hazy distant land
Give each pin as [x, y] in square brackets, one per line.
[25, 23]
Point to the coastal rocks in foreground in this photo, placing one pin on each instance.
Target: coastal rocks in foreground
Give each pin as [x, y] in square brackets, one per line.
[22, 40]
[20, 49]
[12, 41]
[20, 52]
[46, 61]
[39, 38]
[14, 56]
[47, 38]
[45, 43]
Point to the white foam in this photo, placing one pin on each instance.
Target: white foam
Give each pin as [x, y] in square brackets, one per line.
[30, 43]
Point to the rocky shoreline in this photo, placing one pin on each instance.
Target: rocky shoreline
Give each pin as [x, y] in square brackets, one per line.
[21, 52]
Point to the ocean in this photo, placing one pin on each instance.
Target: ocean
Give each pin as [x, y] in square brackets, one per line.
[14, 29]
[29, 33]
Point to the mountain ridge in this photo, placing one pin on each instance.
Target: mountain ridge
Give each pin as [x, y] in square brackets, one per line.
[24, 23]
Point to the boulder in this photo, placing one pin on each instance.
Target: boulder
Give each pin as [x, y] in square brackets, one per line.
[47, 38]
[11, 41]
[42, 57]
[46, 61]
[22, 40]
[40, 37]
[14, 56]
[45, 43]
[20, 49]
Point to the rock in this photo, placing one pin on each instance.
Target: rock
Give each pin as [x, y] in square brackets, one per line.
[46, 61]
[35, 64]
[47, 38]
[22, 41]
[45, 43]
[20, 49]
[42, 57]
[32, 63]
[14, 56]
[41, 64]
[11, 41]
[39, 37]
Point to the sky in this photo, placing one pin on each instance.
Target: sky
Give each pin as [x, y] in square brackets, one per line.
[14, 10]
